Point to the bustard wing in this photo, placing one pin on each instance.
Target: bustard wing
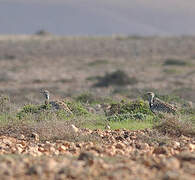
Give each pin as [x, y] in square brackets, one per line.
[162, 106]
[60, 105]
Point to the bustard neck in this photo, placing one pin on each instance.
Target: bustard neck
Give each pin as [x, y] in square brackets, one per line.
[46, 97]
[151, 100]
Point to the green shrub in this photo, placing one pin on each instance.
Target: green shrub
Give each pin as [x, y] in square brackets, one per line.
[89, 98]
[77, 108]
[118, 77]
[98, 62]
[175, 62]
[4, 104]
[135, 107]
[127, 116]
[188, 110]
[32, 109]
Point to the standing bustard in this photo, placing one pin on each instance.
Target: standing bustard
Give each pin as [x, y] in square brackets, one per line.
[157, 105]
[57, 104]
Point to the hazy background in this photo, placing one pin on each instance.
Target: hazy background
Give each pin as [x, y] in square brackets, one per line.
[98, 17]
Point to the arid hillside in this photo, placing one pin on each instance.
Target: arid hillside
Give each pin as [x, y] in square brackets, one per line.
[71, 65]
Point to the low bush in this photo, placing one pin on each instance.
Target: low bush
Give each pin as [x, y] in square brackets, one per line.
[175, 62]
[77, 108]
[175, 126]
[134, 107]
[118, 77]
[32, 109]
[89, 98]
[5, 105]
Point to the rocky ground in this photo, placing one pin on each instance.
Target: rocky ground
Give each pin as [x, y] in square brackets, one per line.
[117, 154]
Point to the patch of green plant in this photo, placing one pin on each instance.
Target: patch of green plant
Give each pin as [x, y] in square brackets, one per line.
[135, 107]
[8, 57]
[93, 121]
[188, 110]
[121, 90]
[118, 77]
[77, 108]
[4, 104]
[32, 109]
[131, 124]
[92, 78]
[191, 118]
[123, 117]
[98, 62]
[172, 71]
[88, 98]
[6, 118]
[175, 62]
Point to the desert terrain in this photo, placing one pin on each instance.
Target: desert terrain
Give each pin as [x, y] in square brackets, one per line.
[91, 74]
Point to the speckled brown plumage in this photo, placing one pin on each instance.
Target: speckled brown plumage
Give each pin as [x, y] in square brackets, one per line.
[157, 105]
[57, 104]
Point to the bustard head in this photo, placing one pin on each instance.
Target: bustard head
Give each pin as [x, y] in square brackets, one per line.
[46, 94]
[150, 96]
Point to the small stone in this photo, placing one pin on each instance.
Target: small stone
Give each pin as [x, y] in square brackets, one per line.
[35, 136]
[175, 144]
[74, 128]
[87, 157]
[41, 149]
[50, 165]
[191, 147]
[19, 148]
[22, 137]
[171, 163]
[160, 150]
[144, 146]
[107, 127]
[171, 175]
[62, 148]
[120, 146]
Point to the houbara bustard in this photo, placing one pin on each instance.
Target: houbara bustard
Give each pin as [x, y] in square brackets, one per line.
[157, 105]
[56, 104]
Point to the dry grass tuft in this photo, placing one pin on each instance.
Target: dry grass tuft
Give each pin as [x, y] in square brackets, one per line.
[48, 131]
[173, 126]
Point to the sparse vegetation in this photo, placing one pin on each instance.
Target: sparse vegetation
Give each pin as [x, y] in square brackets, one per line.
[98, 62]
[89, 98]
[175, 126]
[122, 114]
[135, 107]
[175, 62]
[40, 141]
[118, 77]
